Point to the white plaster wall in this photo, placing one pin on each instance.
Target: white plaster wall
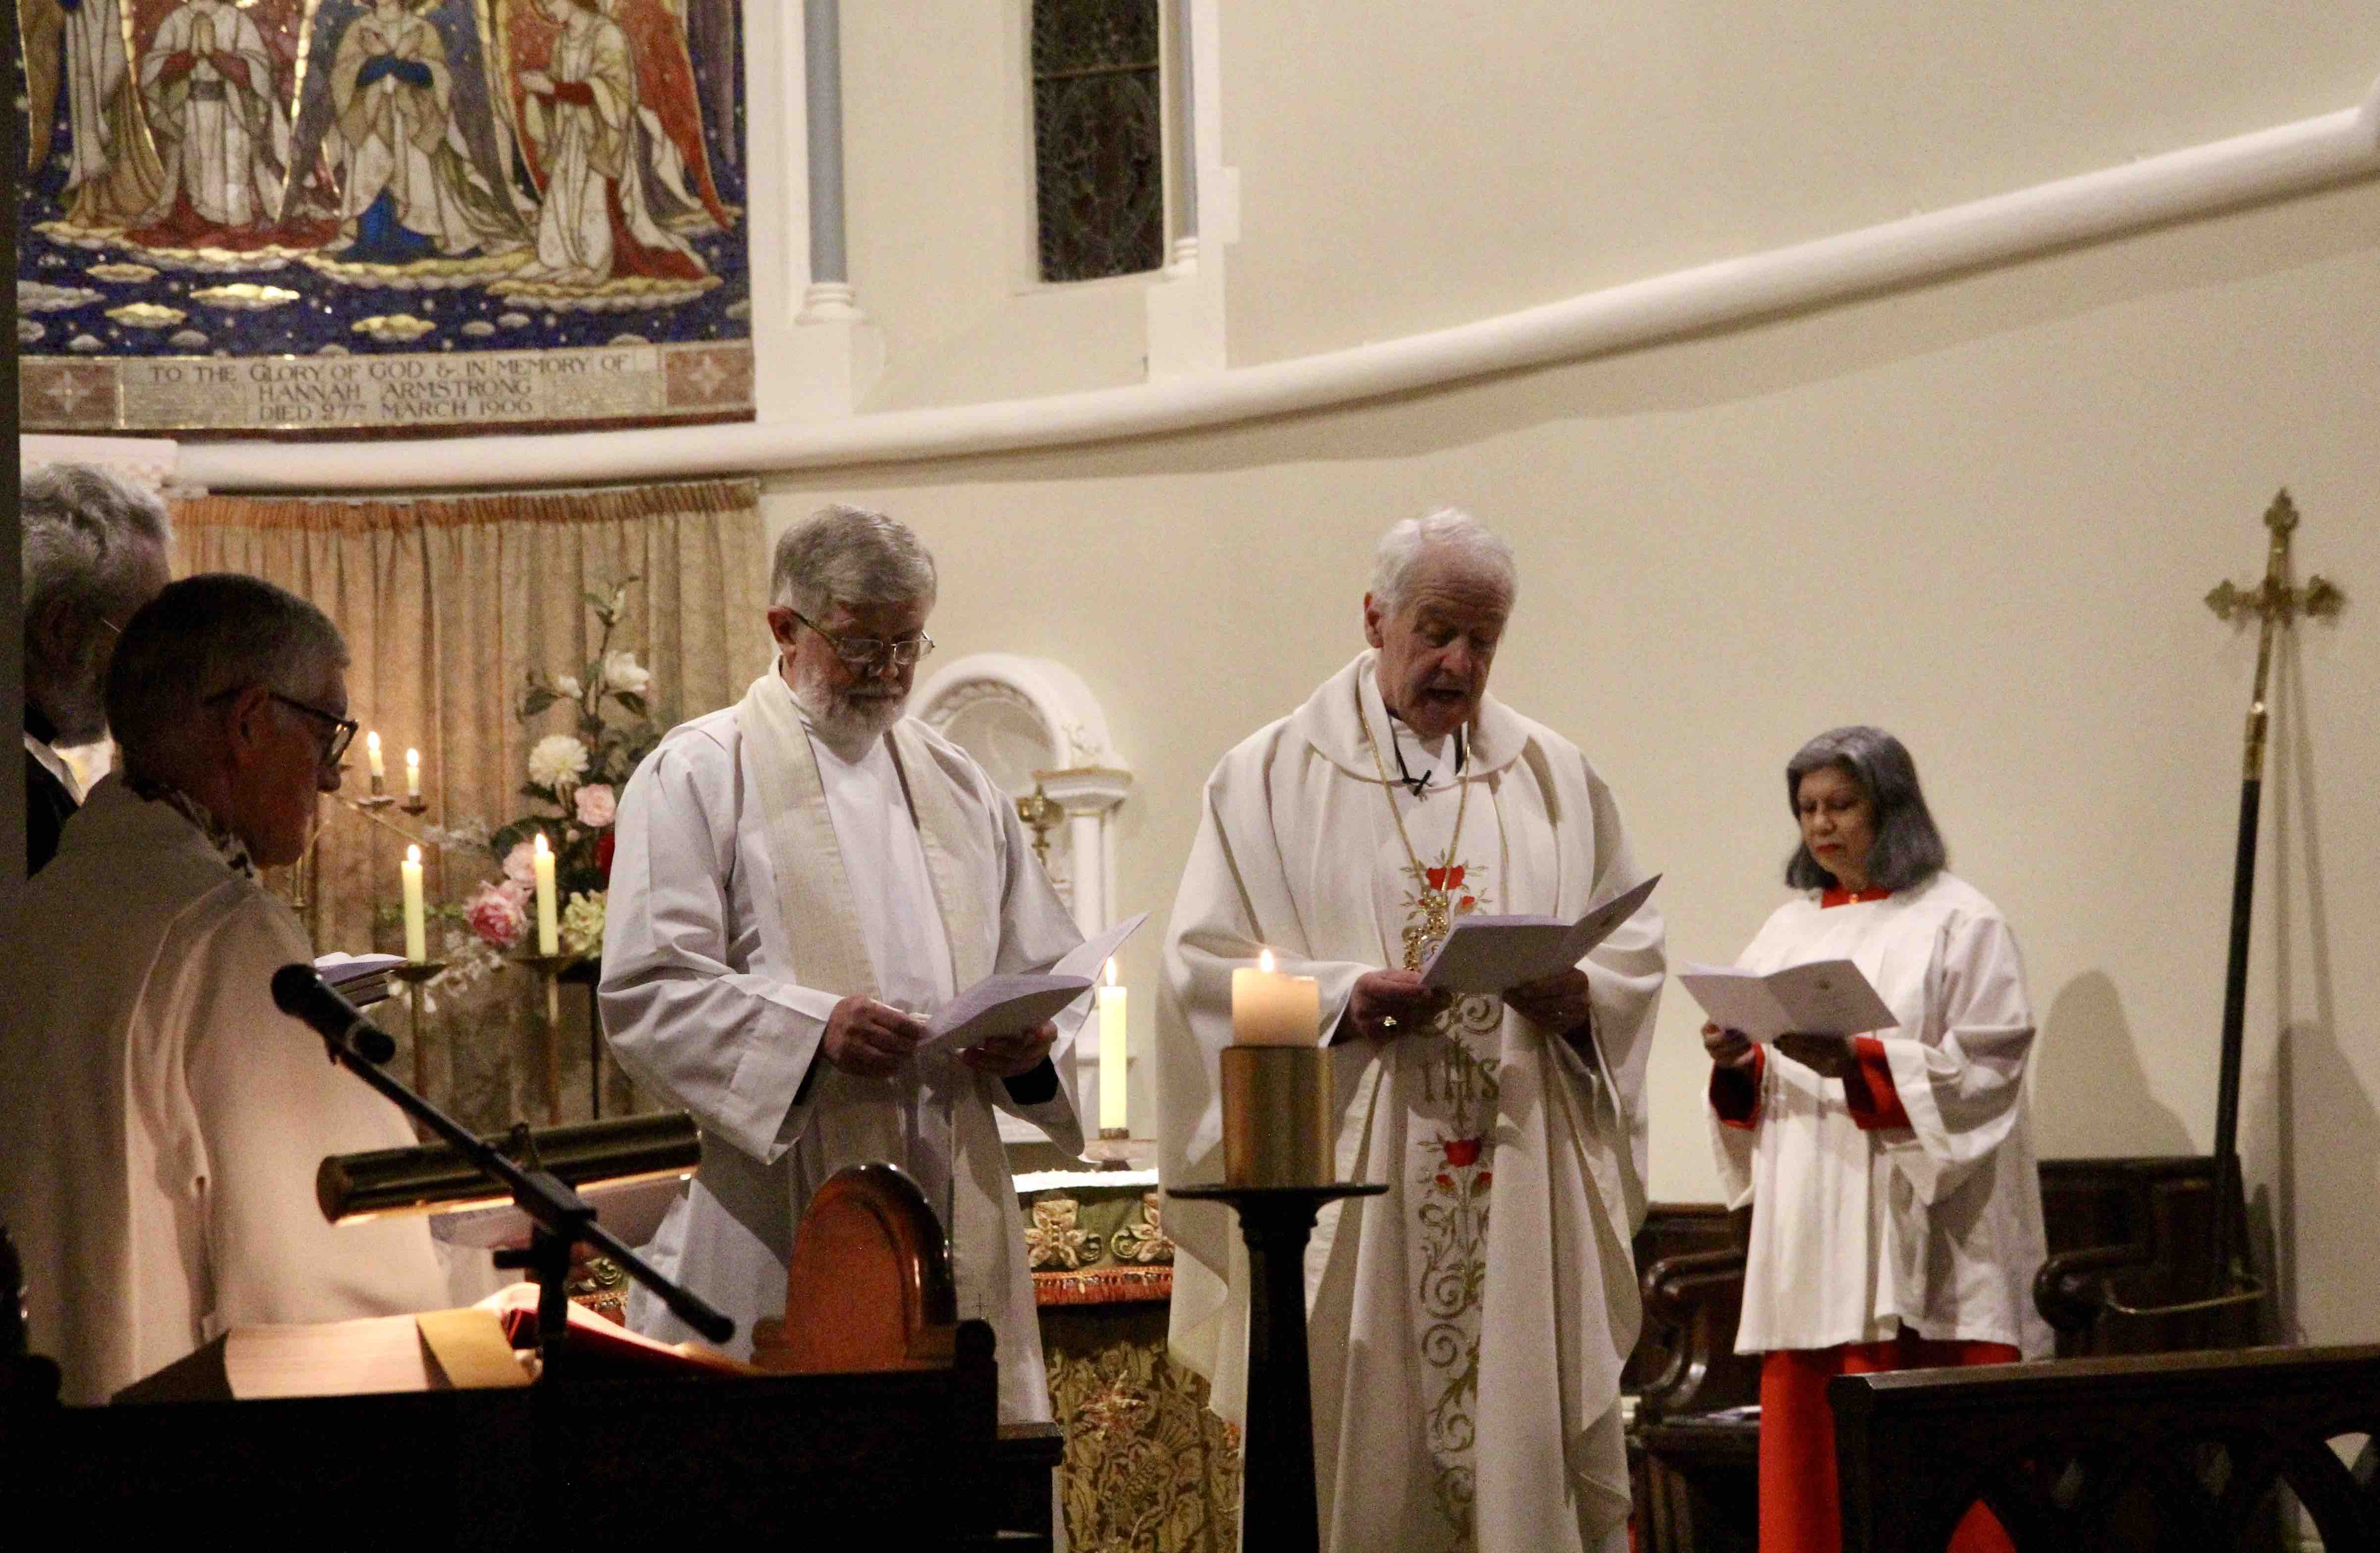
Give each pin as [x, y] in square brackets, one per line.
[939, 173]
[1983, 514]
[1410, 166]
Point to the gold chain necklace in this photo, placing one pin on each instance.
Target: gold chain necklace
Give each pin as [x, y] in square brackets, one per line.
[1436, 908]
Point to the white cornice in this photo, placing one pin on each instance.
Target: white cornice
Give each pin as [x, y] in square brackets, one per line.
[2293, 159]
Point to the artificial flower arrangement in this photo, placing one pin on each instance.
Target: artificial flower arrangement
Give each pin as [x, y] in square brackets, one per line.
[578, 776]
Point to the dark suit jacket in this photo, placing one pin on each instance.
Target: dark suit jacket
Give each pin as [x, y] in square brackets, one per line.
[48, 804]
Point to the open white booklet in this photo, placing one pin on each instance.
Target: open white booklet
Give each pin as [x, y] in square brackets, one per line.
[1002, 1004]
[1493, 953]
[1822, 997]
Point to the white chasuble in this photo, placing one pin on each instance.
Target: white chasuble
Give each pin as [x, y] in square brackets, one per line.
[1937, 1226]
[1467, 1328]
[760, 876]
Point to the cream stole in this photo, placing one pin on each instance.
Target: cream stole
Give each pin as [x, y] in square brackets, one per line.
[856, 1120]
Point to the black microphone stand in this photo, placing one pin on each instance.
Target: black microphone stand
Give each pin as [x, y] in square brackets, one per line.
[562, 1218]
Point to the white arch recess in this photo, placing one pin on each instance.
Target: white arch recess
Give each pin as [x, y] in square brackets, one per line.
[1035, 726]
[2293, 159]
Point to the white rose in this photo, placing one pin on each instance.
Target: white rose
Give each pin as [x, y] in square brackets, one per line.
[621, 672]
[566, 687]
[557, 761]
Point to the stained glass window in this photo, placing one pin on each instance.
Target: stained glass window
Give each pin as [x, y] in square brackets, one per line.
[1097, 138]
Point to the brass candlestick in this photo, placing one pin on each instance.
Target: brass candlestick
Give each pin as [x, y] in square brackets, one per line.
[417, 974]
[548, 968]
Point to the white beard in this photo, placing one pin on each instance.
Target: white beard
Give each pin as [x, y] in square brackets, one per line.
[848, 722]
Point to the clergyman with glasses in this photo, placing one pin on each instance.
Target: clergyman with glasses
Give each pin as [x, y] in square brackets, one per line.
[1469, 1325]
[798, 881]
[165, 1121]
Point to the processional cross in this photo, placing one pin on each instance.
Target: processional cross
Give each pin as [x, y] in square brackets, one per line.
[2276, 604]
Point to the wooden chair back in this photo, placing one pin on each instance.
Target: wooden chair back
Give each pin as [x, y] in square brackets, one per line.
[870, 1285]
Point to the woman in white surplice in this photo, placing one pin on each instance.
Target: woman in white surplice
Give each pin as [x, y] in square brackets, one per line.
[1467, 1328]
[1897, 1203]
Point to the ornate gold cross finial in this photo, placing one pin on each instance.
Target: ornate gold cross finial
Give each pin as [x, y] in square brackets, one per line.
[1039, 812]
[2274, 599]
[2275, 604]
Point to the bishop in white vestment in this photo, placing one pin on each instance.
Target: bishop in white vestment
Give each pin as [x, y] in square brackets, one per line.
[164, 1120]
[794, 876]
[1468, 1328]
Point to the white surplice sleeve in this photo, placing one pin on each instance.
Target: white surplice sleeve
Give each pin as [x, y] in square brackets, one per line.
[267, 1106]
[1962, 1081]
[684, 1011]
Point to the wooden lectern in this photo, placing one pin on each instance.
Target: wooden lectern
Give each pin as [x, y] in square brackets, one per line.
[884, 1423]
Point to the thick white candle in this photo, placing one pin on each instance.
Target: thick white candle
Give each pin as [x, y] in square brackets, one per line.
[549, 924]
[417, 931]
[413, 773]
[1114, 1105]
[1270, 1009]
[373, 761]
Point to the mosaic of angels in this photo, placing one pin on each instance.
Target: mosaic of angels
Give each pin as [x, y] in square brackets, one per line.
[278, 176]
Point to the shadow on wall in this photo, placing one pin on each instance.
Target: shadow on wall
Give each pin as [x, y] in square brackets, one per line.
[2321, 1170]
[2090, 1094]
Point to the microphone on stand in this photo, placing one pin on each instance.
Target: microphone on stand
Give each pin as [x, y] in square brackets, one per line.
[299, 991]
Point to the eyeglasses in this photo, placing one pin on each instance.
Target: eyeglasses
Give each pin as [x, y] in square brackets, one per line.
[343, 729]
[864, 653]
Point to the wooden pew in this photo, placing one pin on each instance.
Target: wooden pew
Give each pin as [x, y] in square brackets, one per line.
[2124, 1234]
[2173, 1452]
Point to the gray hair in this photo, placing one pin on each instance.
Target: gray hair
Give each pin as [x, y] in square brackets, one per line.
[1449, 531]
[201, 639]
[84, 530]
[1908, 848]
[849, 556]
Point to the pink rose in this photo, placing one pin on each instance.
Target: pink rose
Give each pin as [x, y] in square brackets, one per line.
[520, 864]
[496, 916]
[597, 806]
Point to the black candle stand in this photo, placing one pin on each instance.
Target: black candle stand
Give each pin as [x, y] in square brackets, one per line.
[1277, 1513]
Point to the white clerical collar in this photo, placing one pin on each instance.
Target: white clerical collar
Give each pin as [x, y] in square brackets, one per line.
[54, 763]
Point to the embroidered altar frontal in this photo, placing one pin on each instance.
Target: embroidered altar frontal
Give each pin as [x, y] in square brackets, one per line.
[376, 217]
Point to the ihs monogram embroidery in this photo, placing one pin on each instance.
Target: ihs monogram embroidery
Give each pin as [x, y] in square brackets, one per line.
[1454, 1118]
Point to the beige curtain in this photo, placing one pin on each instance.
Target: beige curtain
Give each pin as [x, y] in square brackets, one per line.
[448, 604]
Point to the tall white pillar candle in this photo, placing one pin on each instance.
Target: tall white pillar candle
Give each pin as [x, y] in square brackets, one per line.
[413, 773]
[1113, 1104]
[417, 931]
[549, 924]
[372, 762]
[1270, 1009]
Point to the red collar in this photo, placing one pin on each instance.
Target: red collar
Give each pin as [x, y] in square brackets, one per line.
[1849, 897]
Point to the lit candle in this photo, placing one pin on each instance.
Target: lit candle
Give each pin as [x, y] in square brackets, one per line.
[413, 773]
[549, 924]
[1113, 1104]
[417, 932]
[1270, 1009]
[372, 762]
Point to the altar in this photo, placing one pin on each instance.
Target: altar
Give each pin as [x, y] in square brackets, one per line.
[1146, 1465]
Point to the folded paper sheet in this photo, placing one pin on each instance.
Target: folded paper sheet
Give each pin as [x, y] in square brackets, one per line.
[1822, 997]
[1495, 953]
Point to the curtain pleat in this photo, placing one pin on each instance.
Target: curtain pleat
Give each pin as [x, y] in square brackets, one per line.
[448, 603]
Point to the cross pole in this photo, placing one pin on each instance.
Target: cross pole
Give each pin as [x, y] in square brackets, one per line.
[2276, 604]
